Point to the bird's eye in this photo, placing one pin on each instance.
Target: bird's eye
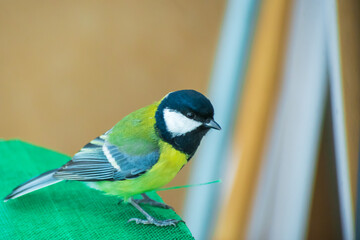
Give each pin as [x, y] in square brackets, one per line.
[190, 115]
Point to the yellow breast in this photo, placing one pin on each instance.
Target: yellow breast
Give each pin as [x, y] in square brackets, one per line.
[169, 164]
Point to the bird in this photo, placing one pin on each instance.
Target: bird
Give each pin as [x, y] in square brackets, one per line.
[142, 152]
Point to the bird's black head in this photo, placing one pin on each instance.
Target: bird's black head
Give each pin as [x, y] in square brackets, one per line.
[183, 118]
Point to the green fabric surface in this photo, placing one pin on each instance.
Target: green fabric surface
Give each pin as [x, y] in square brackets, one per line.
[68, 210]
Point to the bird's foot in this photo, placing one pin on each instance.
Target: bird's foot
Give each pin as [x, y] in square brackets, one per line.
[154, 203]
[147, 200]
[159, 223]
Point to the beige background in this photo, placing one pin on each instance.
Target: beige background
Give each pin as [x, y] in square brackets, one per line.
[69, 70]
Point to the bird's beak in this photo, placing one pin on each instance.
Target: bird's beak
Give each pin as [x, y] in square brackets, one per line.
[213, 124]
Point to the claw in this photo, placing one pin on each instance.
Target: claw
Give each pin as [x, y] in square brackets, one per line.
[149, 218]
[159, 223]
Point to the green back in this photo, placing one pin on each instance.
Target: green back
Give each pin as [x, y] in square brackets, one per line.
[135, 133]
[67, 210]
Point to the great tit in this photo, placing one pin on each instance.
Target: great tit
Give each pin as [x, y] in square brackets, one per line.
[142, 152]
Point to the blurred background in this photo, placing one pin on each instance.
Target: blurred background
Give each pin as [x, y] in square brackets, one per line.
[283, 76]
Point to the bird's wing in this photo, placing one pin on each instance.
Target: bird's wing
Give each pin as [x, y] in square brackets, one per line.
[100, 160]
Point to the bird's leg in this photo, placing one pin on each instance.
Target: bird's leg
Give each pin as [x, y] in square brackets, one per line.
[150, 219]
[147, 200]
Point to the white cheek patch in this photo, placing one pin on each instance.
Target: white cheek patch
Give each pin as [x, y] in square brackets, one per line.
[178, 124]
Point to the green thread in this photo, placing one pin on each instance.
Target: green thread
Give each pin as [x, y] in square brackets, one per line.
[187, 186]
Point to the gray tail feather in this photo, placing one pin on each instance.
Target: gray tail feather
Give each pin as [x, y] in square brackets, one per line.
[34, 184]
